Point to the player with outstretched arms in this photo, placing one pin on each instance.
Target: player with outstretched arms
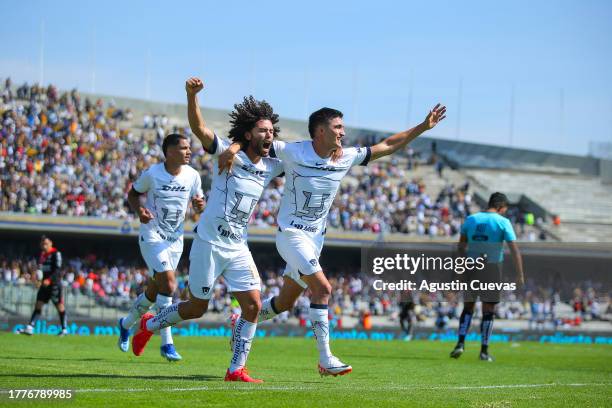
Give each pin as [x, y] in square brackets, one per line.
[312, 180]
[169, 187]
[220, 245]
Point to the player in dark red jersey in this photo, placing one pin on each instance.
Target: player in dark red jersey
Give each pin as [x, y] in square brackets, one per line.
[50, 262]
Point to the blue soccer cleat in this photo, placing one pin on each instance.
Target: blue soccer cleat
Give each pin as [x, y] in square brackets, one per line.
[124, 337]
[169, 352]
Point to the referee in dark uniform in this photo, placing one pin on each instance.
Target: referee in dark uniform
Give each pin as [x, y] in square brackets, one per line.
[50, 262]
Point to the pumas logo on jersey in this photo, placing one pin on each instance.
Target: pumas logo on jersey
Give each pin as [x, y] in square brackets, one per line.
[173, 188]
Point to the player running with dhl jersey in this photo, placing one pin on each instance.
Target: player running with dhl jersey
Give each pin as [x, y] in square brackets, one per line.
[220, 245]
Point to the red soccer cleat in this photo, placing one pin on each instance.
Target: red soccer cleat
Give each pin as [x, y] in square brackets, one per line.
[142, 336]
[241, 374]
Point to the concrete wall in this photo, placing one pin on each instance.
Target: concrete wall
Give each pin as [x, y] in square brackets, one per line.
[605, 171]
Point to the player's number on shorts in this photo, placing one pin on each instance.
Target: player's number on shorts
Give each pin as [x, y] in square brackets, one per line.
[313, 205]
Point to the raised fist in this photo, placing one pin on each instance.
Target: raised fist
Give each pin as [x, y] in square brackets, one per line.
[194, 85]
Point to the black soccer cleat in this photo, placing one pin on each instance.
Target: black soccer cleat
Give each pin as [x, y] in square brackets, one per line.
[458, 351]
[486, 357]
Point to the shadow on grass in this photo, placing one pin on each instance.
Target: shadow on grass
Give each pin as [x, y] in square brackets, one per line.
[393, 357]
[116, 376]
[53, 358]
[114, 361]
[322, 382]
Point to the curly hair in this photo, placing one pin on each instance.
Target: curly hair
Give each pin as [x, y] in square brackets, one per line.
[246, 114]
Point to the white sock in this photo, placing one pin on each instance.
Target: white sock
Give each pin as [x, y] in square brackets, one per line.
[140, 306]
[243, 336]
[267, 311]
[169, 316]
[163, 302]
[320, 327]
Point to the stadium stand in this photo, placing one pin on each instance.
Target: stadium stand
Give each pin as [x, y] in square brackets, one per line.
[75, 155]
[583, 203]
[62, 154]
[97, 288]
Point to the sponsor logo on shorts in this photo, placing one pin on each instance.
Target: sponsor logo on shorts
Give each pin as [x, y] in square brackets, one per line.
[303, 227]
[167, 238]
[228, 234]
[313, 262]
[205, 290]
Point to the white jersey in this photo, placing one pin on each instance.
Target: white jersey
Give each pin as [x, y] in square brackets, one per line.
[311, 183]
[233, 197]
[167, 198]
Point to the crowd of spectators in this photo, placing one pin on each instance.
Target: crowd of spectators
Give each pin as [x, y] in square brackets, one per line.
[385, 198]
[88, 276]
[62, 154]
[118, 283]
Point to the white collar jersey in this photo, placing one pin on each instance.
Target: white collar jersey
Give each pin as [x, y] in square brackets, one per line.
[233, 196]
[167, 198]
[311, 183]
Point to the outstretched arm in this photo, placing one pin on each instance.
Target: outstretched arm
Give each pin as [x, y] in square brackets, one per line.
[196, 122]
[397, 141]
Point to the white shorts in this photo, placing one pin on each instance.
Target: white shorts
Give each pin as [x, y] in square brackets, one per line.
[301, 251]
[161, 256]
[208, 262]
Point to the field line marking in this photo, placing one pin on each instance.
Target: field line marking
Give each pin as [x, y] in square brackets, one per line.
[332, 386]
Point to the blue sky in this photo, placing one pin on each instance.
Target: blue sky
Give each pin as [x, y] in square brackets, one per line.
[382, 63]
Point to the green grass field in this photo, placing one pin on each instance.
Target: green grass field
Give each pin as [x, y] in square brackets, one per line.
[385, 374]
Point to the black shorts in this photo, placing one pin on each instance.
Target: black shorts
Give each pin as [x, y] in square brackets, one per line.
[405, 309]
[51, 292]
[492, 273]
